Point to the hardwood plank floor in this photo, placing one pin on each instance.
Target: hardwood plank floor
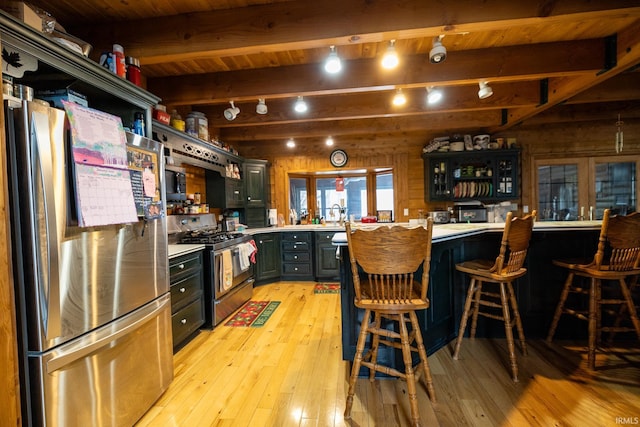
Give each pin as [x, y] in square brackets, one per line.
[290, 372]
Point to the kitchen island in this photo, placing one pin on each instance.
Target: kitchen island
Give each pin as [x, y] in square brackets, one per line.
[537, 292]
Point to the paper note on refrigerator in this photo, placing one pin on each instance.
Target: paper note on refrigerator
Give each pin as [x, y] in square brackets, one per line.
[104, 196]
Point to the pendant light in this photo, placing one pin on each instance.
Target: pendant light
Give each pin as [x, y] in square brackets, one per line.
[390, 59]
[300, 106]
[333, 65]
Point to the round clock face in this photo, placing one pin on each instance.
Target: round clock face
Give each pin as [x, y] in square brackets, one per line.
[338, 158]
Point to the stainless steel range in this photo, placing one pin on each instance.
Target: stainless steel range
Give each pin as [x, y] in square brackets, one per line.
[228, 269]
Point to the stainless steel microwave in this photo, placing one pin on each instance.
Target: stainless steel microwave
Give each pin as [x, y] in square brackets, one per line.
[175, 183]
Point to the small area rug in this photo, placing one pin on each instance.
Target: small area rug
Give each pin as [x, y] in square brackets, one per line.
[253, 313]
[327, 288]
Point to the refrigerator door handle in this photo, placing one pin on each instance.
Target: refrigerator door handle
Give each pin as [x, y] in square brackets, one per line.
[41, 138]
[134, 321]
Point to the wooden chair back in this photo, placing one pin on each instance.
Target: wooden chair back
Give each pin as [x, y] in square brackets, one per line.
[514, 244]
[619, 243]
[389, 256]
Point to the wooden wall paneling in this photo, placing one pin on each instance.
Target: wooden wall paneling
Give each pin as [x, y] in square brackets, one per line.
[9, 374]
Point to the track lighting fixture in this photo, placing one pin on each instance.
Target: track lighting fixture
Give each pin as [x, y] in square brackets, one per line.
[291, 143]
[433, 95]
[261, 108]
[438, 52]
[329, 141]
[390, 59]
[333, 64]
[300, 106]
[232, 112]
[485, 90]
[399, 98]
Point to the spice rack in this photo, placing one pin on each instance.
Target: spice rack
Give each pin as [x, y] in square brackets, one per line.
[485, 175]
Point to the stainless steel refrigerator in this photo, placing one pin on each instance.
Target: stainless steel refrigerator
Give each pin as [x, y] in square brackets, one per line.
[93, 303]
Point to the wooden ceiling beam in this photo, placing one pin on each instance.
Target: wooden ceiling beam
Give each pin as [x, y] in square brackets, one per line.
[472, 121]
[303, 25]
[529, 62]
[377, 104]
[563, 88]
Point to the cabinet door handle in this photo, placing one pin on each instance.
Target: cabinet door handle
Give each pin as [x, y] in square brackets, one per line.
[236, 192]
[182, 290]
[181, 266]
[295, 257]
[183, 321]
[296, 269]
[295, 247]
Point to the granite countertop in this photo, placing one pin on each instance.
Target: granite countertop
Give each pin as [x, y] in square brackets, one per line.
[443, 232]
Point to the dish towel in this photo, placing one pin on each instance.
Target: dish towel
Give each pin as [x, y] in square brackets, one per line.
[247, 254]
[226, 270]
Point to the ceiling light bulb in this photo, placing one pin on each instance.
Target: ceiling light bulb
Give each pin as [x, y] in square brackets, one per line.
[485, 90]
[232, 112]
[399, 98]
[438, 52]
[300, 106]
[433, 95]
[261, 108]
[333, 64]
[291, 143]
[329, 141]
[390, 58]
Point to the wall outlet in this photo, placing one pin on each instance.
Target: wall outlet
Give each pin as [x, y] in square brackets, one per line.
[525, 209]
[406, 211]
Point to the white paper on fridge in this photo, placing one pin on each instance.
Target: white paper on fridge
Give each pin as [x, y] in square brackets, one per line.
[104, 193]
[104, 196]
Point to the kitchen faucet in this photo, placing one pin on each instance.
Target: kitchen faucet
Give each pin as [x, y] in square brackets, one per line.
[340, 212]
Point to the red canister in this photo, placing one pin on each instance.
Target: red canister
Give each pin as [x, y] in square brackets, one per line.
[133, 70]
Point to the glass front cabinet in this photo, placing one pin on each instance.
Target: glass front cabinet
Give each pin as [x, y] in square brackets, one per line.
[488, 175]
[582, 188]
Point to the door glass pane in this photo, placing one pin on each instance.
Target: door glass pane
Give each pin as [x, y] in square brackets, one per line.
[298, 195]
[353, 197]
[615, 188]
[384, 192]
[558, 192]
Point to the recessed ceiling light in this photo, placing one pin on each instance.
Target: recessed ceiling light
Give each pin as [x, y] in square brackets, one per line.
[333, 65]
[329, 141]
[399, 98]
[300, 106]
[390, 59]
[291, 143]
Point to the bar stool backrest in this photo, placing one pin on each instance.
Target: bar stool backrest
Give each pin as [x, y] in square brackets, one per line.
[619, 243]
[515, 243]
[390, 256]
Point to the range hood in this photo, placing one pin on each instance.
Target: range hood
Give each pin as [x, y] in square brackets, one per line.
[186, 149]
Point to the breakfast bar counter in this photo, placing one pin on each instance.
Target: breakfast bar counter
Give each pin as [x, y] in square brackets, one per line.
[537, 292]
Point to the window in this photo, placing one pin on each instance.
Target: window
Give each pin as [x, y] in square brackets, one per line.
[362, 194]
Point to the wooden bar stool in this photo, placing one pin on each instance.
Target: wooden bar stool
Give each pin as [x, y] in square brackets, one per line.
[617, 260]
[389, 257]
[502, 271]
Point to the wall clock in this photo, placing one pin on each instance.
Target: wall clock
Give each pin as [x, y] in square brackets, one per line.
[338, 158]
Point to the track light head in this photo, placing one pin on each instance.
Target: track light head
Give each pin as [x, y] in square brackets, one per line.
[433, 95]
[485, 90]
[438, 52]
[261, 108]
[300, 106]
[333, 64]
[390, 59]
[232, 112]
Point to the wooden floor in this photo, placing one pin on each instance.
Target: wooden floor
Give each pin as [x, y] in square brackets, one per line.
[290, 373]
